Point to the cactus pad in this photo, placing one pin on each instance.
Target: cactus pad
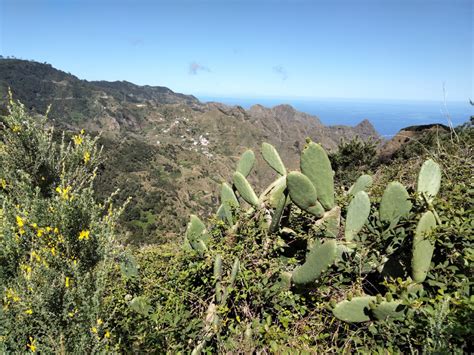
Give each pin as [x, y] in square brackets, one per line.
[316, 166]
[245, 190]
[330, 222]
[317, 261]
[246, 162]
[273, 159]
[357, 214]
[234, 272]
[196, 234]
[362, 184]
[276, 191]
[395, 203]
[388, 310]
[303, 193]
[277, 214]
[354, 311]
[429, 179]
[228, 201]
[423, 248]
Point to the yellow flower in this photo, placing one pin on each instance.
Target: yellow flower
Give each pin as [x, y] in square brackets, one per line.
[3, 183]
[29, 311]
[82, 131]
[40, 232]
[84, 235]
[16, 128]
[53, 251]
[94, 330]
[32, 345]
[99, 321]
[64, 192]
[67, 282]
[77, 139]
[56, 230]
[49, 229]
[107, 334]
[34, 225]
[19, 221]
[87, 157]
[27, 270]
[36, 256]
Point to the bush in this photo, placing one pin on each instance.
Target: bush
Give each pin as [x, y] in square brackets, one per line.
[353, 158]
[56, 242]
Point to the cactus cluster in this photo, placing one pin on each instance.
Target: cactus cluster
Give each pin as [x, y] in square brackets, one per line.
[312, 190]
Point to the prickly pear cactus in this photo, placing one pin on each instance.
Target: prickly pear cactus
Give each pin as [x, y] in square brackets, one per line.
[228, 202]
[423, 247]
[316, 166]
[196, 234]
[245, 190]
[218, 277]
[386, 310]
[355, 310]
[330, 222]
[395, 203]
[246, 162]
[303, 193]
[273, 159]
[363, 183]
[317, 261]
[278, 213]
[357, 214]
[429, 180]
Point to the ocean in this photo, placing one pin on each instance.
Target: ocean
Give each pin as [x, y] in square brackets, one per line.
[387, 116]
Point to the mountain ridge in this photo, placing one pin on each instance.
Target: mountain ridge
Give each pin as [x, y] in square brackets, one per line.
[168, 150]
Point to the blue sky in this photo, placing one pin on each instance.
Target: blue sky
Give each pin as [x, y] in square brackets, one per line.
[378, 49]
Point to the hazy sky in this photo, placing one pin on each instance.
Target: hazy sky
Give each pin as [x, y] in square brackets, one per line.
[347, 49]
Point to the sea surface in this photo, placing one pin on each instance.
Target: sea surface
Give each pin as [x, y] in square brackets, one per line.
[387, 116]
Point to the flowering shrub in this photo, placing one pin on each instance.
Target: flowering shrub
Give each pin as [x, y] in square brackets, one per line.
[56, 243]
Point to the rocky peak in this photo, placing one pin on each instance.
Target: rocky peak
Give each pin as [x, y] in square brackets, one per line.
[365, 129]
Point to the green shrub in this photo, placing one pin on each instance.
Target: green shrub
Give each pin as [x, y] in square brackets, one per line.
[352, 158]
[56, 242]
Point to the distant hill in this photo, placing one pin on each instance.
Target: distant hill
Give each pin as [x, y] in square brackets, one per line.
[167, 150]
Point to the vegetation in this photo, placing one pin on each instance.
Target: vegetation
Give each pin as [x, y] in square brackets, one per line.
[56, 242]
[308, 265]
